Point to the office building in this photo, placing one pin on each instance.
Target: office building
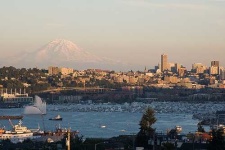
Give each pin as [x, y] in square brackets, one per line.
[53, 70]
[215, 69]
[199, 68]
[215, 63]
[66, 71]
[164, 62]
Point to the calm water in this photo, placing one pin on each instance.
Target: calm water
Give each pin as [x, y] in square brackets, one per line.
[89, 123]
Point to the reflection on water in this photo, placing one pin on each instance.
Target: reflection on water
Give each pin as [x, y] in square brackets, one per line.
[89, 123]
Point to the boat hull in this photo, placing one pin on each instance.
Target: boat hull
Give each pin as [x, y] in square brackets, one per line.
[60, 119]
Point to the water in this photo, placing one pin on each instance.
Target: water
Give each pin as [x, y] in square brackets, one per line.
[89, 123]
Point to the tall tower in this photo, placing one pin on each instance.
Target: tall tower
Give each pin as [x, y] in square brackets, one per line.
[215, 63]
[164, 62]
[215, 67]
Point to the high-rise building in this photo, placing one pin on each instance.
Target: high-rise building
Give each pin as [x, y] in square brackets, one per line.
[215, 69]
[215, 63]
[171, 66]
[66, 71]
[182, 71]
[196, 65]
[177, 67]
[199, 68]
[53, 70]
[164, 62]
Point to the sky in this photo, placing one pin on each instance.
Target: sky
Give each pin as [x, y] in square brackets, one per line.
[133, 31]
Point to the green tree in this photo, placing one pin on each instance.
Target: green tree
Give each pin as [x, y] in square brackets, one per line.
[147, 120]
[146, 130]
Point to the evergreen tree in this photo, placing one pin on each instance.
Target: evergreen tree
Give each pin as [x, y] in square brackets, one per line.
[146, 130]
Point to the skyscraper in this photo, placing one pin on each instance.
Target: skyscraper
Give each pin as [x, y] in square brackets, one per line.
[164, 62]
[215, 68]
[215, 63]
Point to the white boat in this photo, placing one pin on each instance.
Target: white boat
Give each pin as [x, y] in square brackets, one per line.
[58, 117]
[18, 133]
[103, 126]
[39, 107]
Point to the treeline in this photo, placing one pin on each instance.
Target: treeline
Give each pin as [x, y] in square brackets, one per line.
[35, 80]
[32, 79]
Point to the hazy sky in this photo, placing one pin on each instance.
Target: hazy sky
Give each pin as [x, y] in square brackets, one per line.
[134, 31]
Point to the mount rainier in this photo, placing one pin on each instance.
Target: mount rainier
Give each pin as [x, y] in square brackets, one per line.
[63, 53]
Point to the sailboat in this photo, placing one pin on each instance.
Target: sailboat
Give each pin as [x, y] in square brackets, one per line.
[38, 108]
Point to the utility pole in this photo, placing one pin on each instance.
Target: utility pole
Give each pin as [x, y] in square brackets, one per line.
[154, 140]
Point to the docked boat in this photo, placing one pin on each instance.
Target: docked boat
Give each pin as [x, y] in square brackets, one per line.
[18, 133]
[11, 117]
[58, 117]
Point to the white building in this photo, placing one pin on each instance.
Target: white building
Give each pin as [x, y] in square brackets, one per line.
[14, 97]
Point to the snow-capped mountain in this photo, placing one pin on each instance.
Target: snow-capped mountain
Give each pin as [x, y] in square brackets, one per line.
[63, 50]
[62, 53]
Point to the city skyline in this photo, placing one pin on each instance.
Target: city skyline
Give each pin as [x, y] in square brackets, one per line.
[22, 62]
[136, 32]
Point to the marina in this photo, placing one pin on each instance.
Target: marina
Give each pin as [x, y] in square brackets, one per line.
[102, 124]
[108, 120]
